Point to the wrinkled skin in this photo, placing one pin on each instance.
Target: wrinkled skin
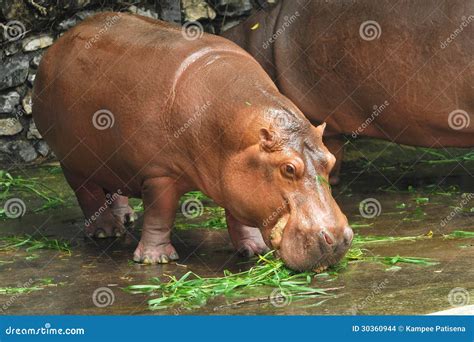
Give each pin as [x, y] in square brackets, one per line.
[319, 61]
[198, 114]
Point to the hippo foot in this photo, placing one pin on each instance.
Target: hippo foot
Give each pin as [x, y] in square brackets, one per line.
[125, 214]
[105, 228]
[250, 247]
[161, 254]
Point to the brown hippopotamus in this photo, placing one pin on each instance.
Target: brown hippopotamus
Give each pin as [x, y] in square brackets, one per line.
[133, 107]
[397, 71]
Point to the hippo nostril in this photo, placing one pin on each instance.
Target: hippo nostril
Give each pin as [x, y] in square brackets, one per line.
[327, 238]
[348, 235]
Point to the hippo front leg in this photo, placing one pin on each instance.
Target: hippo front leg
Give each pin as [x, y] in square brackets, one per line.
[160, 200]
[248, 241]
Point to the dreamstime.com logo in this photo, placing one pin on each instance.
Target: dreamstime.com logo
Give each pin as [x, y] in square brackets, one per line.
[109, 200]
[103, 119]
[192, 208]
[287, 21]
[459, 119]
[14, 208]
[458, 296]
[458, 209]
[370, 208]
[14, 30]
[279, 298]
[377, 110]
[192, 30]
[109, 22]
[103, 297]
[199, 112]
[465, 21]
[46, 330]
[15, 296]
[370, 30]
[375, 291]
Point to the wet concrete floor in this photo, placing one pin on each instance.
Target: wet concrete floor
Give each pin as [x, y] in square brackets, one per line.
[409, 207]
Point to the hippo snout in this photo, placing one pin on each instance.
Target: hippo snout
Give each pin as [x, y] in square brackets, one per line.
[344, 241]
[314, 249]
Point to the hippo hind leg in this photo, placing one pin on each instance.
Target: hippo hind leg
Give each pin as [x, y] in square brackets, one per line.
[121, 209]
[248, 241]
[99, 219]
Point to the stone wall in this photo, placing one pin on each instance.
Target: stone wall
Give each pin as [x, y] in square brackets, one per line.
[31, 26]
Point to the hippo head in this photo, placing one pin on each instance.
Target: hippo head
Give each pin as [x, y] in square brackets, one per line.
[279, 183]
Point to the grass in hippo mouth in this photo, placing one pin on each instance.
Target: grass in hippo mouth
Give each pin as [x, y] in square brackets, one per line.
[192, 291]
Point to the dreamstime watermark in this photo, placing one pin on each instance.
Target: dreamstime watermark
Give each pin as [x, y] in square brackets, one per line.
[375, 291]
[14, 208]
[287, 21]
[459, 119]
[370, 30]
[192, 30]
[459, 208]
[370, 208]
[279, 298]
[377, 110]
[109, 199]
[47, 329]
[15, 296]
[464, 23]
[276, 213]
[458, 296]
[109, 22]
[192, 208]
[201, 110]
[14, 30]
[103, 297]
[103, 119]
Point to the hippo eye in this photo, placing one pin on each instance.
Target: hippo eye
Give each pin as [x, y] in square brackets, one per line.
[289, 170]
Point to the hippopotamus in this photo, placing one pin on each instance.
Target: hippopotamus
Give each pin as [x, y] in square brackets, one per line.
[396, 71]
[135, 107]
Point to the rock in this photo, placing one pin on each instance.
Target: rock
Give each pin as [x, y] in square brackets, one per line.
[229, 24]
[37, 42]
[42, 148]
[26, 151]
[170, 11]
[31, 77]
[74, 20]
[12, 49]
[143, 12]
[13, 71]
[233, 8]
[27, 104]
[10, 126]
[197, 9]
[9, 101]
[35, 61]
[33, 132]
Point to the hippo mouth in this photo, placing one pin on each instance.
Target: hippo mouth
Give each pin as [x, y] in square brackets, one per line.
[277, 231]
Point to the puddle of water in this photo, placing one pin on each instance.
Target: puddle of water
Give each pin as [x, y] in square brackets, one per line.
[368, 288]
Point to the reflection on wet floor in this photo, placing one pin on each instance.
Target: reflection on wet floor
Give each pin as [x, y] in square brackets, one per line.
[63, 283]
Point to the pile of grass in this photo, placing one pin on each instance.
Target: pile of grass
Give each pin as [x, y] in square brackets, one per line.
[192, 291]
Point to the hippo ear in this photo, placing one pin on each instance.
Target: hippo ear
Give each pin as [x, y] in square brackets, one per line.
[269, 140]
[319, 130]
